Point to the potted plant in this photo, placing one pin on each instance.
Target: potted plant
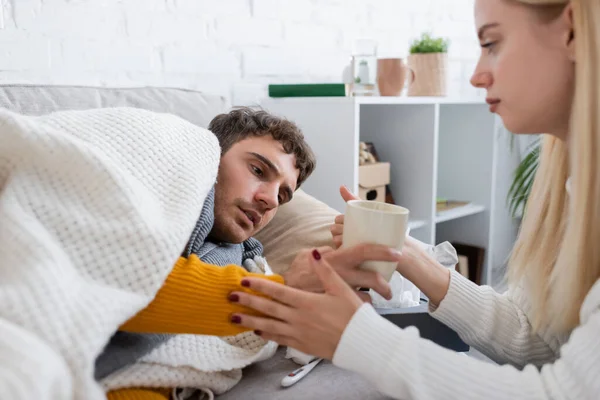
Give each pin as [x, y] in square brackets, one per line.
[428, 60]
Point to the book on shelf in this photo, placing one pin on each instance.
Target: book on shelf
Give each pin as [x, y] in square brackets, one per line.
[445, 205]
[307, 90]
[473, 265]
[463, 266]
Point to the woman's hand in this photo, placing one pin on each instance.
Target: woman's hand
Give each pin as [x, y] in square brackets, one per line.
[310, 322]
[346, 263]
[414, 264]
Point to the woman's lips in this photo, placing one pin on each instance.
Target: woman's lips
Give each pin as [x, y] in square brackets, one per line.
[493, 103]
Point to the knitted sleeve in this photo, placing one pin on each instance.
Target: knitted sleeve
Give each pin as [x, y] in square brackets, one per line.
[139, 394]
[193, 300]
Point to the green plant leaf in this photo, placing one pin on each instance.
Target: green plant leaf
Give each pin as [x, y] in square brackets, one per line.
[428, 44]
[519, 190]
[524, 175]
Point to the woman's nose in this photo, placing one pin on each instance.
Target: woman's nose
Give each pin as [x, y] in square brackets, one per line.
[481, 80]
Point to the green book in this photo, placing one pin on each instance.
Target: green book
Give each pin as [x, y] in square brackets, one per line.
[307, 90]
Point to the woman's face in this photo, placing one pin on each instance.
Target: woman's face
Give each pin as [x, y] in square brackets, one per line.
[526, 65]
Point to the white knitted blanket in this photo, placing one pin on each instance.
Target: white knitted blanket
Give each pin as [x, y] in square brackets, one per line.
[95, 208]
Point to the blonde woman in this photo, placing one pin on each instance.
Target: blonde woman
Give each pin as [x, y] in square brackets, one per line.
[540, 65]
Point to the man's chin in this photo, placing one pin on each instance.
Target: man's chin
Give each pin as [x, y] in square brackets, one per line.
[237, 240]
[235, 235]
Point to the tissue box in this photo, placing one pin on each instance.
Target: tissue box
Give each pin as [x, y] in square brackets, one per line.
[429, 327]
[372, 179]
[417, 315]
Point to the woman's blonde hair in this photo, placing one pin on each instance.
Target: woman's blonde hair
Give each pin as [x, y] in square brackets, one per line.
[557, 255]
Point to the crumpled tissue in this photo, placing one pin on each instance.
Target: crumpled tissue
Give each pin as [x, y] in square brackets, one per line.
[404, 292]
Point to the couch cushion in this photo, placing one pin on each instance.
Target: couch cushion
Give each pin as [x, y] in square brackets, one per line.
[302, 223]
[197, 107]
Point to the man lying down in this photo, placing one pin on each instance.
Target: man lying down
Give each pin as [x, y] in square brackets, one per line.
[264, 159]
[108, 302]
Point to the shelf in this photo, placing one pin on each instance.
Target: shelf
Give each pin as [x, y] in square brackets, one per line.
[459, 212]
[417, 100]
[416, 224]
[389, 100]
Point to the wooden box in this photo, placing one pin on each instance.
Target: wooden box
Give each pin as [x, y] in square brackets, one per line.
[372, 179]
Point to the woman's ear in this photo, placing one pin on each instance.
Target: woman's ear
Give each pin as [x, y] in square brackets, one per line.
[567, 17]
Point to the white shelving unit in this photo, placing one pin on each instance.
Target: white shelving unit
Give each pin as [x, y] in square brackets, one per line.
[437, 147]
[459, 212]
[416, 224]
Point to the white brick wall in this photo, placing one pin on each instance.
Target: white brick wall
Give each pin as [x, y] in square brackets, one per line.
[229, 47]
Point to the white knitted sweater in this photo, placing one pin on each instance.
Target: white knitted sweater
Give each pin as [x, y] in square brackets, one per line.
[537, 366]
[95, 208]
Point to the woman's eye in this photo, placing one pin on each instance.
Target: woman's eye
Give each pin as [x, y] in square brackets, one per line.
[488, 46]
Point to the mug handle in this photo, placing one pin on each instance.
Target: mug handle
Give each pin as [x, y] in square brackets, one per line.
[412, 75]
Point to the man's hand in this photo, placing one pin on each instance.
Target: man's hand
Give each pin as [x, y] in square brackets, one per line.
[345, 262]
[337, 229]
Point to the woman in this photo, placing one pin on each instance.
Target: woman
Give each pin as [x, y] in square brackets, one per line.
[539, 65]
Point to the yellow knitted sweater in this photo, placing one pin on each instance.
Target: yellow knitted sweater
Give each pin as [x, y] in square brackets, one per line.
[193, 300]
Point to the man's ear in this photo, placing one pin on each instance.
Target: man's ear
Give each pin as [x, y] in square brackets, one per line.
[567, 17]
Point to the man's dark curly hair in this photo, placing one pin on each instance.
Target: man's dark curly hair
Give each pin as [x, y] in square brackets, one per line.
[244, 122]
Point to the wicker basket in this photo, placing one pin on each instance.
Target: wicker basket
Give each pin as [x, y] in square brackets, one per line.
[430, 74]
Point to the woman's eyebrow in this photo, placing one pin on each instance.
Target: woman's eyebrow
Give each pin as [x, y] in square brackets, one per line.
[485, 27]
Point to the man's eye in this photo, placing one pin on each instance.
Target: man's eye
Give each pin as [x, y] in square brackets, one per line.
[257, 171]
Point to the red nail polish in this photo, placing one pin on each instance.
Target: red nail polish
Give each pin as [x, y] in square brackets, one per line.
[316, 254]
[257, 332]
[234, 297]
[236, 319]
[245, 283]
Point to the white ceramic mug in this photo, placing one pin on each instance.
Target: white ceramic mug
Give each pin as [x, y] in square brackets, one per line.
[375, 222]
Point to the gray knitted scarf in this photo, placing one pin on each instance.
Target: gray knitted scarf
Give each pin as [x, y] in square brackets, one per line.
[126, 348]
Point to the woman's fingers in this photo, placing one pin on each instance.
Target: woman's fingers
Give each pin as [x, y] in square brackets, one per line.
[365, 297]
[281, 293]
[330, 280]
[346, 262]
[333, 283]
[347, 195]
[325, 249]
[369, 279]
[280, 339]
[337, 229]
[267, 325]
[261, 304]
[360, 253]
[337, 235]
[337, 241]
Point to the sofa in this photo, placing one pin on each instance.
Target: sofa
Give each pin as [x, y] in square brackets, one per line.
[290, 231]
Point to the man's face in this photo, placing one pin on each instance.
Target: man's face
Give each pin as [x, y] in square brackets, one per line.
[255, 177]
